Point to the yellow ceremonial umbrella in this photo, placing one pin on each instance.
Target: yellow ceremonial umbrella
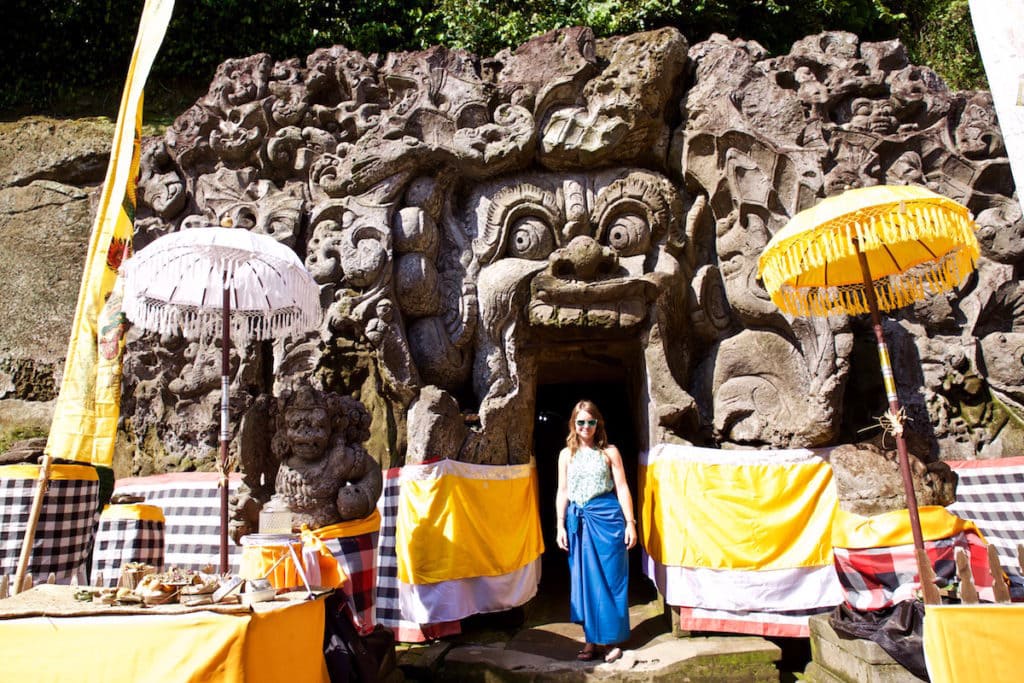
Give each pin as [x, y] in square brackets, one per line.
[870, 249]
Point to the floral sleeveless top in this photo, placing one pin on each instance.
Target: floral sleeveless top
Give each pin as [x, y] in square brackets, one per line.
[588, 475]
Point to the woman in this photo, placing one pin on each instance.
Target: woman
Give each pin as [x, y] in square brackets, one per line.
[596, 525]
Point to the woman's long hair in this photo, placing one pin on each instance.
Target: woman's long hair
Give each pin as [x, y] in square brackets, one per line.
[600, 436]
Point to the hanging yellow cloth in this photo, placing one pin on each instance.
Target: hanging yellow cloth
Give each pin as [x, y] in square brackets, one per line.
[84, 425]
[707, 508]
[893, 528]
[458, 520]
[968, 643]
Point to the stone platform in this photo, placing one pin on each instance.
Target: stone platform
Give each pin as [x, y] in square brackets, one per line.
[839, 659]
[545, 650]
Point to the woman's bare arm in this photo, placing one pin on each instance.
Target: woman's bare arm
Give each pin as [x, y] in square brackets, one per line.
[622, 493]
[562, 500]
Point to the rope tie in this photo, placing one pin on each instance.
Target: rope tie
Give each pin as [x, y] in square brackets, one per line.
[892, 423]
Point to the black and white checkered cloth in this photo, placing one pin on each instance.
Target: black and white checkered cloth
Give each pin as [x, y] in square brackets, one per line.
[387, 610]
[67, 521]
[990, 493]
[191, 505]
[121, 539]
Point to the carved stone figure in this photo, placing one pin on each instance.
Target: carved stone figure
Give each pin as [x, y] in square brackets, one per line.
[868, 480]
[320, 467]
[577, 210]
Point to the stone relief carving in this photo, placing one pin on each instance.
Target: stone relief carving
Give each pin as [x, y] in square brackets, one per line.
[311, 445]
[474, 224]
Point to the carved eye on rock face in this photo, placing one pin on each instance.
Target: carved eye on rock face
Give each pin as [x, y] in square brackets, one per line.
[530, 239]
[629, 234]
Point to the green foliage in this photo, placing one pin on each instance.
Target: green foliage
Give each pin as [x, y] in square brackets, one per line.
[60, 51]
[10, 435]
[940, 33]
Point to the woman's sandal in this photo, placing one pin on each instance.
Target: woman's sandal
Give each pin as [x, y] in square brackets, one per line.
[587, 655]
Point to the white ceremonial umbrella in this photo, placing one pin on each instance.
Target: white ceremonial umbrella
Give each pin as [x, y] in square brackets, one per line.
[201, 282]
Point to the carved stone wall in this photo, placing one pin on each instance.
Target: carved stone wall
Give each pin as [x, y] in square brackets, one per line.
[479, 225]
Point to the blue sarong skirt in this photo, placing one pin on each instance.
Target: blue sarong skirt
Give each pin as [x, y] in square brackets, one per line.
[599, 569]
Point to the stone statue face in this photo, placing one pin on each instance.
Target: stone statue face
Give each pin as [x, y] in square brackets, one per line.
[593, 251]
[564, 260]
[308, 427]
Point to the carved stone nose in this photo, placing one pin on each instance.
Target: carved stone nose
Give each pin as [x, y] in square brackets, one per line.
[583, 259]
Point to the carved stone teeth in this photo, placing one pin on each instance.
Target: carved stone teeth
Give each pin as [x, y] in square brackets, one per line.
[570, 315]
[541, 313]
[603, 316]
[631, 312]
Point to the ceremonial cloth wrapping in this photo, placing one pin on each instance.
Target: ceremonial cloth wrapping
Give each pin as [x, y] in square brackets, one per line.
[468, 539]
[127, 533]
[387, 610]
[347, 559]
[740, 540]
[84, 425]
[973, 643]
[67, 520]
[190, 502]
[875, 560]
[599, 595]
[990, 493]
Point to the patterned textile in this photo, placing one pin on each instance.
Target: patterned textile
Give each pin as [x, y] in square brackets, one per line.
[84, 425]
[388, 611]
[127, 533]
[67, 520]
[990, 493]
[589, 475]
[353, 556]
[191, 505]
[873, 578]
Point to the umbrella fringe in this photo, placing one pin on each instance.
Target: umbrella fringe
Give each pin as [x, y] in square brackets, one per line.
[196, 323]
[892, 292]
[837, 240]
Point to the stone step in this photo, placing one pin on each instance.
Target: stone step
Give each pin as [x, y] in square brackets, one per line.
[839, 659]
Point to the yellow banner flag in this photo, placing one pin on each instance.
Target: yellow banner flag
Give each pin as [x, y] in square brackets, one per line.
[84, 423]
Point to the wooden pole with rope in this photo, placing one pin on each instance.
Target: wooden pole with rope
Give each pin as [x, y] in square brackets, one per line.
[895, 417]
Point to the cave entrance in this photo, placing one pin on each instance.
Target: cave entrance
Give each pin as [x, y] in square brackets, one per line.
[554, 403]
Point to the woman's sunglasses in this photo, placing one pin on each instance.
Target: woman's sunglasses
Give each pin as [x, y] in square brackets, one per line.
[587, 423]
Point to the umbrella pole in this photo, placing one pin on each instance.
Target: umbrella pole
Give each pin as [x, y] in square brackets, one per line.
[225, 363]
[924, 569]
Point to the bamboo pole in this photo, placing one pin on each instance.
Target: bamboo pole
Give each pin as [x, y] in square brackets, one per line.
[33, 523]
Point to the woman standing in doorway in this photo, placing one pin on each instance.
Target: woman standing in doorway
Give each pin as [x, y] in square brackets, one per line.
[596, 525]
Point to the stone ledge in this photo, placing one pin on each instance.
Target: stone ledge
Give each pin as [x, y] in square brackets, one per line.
[666, 658]
[838, 659]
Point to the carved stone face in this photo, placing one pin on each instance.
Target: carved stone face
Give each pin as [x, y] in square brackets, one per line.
[594, 249]
[308, 426]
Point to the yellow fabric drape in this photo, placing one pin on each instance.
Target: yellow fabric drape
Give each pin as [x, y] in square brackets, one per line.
[893, 528]
[972, 643]
[271, 644]
[727, 516]
[68, 472]
[461, 521]
[84, 425]
[147, 513]
[330, 573]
